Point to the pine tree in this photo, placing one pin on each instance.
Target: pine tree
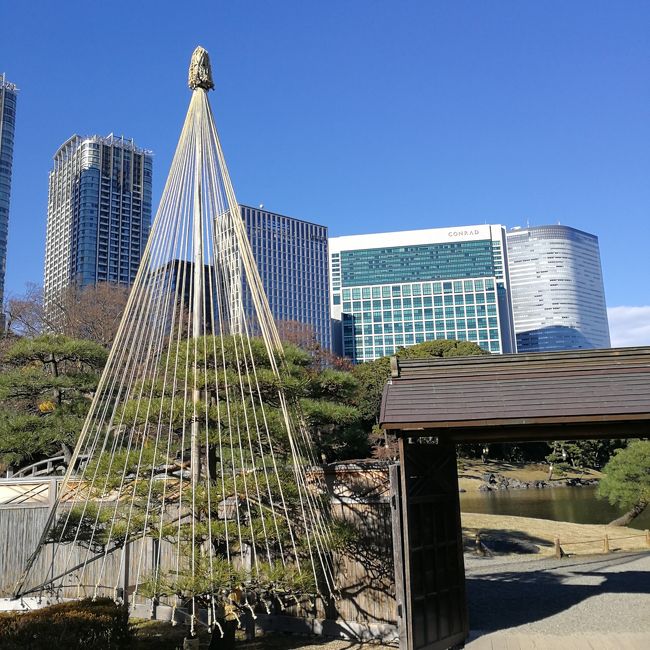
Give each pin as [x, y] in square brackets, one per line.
[45, 392]
[627, 480]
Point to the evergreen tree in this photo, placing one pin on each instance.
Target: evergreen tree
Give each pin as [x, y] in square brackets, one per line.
[141, 487]
[627, 480]
[45, 390]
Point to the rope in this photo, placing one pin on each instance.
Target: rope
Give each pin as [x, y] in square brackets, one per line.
[186, 369]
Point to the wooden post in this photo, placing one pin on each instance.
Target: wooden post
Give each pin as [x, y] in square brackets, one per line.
[478, 547]
[52, 494]
[398, 549]
[155, 567]
[124, 574]
[249, 625]
[647, 538]
[559, 553]
[606, 544]
[429, 493]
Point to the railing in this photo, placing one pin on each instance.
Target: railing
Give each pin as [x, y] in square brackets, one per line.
[642, 539]
[35, 486]
[46, 467]
[559, 547]
[28, 493]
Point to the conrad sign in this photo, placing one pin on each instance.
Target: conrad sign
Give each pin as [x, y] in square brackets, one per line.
[463, 233]
[456, 234]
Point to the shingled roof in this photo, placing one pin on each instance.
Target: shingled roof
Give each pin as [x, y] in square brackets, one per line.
[573, 394]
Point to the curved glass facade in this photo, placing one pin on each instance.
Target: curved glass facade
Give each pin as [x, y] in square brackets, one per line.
[558, 297]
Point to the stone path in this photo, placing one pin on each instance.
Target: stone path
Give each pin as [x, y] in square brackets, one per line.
[582, 603]
[500, 641]
[598, 602]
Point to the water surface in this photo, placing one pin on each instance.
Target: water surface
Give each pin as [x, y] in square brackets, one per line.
[577, 505]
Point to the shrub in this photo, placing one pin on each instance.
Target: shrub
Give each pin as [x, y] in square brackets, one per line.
[99, 624]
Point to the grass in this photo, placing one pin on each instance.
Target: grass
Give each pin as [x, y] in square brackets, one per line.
[575, 539]
[156, 635]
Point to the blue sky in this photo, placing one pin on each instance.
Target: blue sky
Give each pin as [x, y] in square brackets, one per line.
[362, 115]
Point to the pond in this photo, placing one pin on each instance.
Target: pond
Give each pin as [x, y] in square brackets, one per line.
[577, 505]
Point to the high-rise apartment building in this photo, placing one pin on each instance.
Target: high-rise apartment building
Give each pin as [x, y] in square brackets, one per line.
[291, 256]
[396, 289]
[558, 296]
[8, 95]
[99, 213]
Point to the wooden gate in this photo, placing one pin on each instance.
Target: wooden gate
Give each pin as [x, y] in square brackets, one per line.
[430, 578]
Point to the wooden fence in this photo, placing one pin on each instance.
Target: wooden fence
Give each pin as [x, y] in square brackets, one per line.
[359, 496]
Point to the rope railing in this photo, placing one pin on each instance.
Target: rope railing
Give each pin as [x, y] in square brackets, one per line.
[606, 540]
[559, 546]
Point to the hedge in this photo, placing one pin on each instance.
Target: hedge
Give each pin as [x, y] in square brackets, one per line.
[98, 624]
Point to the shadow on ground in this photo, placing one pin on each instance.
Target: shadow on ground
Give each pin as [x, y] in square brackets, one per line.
[157, 635]
[508, 599]
[499, 541]
[280, 642]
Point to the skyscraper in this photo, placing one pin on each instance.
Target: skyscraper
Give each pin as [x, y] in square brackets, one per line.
[396, 289]
[291, 256]
[558, 296]
[8, 95]
[99, 213]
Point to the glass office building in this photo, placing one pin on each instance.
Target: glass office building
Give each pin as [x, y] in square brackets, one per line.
[8, 96]
[291, 256]
[397, 289]
[558, 297]
[99, 213]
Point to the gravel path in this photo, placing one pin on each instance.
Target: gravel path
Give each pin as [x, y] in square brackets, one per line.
[587, 602]
[548, 604]
[597, 594]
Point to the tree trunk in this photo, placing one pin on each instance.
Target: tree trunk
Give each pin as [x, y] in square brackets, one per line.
[67, 453]
[55, 371]
[227, 641]
[629, 516]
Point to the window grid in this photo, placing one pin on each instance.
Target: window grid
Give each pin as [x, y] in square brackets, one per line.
[465, 309]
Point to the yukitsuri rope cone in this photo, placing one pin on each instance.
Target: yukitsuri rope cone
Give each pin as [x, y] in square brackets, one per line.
[196, 446]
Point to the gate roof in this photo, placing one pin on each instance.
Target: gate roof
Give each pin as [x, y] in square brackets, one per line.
[572, 394]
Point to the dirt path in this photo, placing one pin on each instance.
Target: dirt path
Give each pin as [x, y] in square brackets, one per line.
[154, 635]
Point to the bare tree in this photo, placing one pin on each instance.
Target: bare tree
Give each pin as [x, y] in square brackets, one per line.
[304, 336]
[297, 333]
[24, 314]
[92, 313]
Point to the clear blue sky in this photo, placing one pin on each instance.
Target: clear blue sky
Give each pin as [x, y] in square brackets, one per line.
[362, 115]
